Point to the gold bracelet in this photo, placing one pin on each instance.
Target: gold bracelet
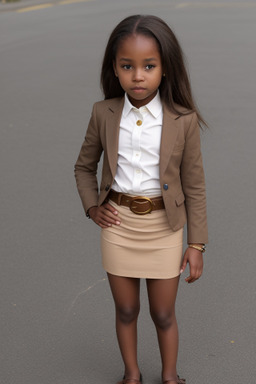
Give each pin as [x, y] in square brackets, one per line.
[201, 249]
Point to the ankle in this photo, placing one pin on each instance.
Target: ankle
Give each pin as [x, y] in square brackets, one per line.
[132, 373]
[169, 378]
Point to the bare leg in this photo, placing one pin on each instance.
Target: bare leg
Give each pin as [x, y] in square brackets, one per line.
[162, 296]
[126, 292]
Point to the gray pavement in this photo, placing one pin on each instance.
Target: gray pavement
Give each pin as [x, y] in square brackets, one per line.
[57, 315]
[22, 5]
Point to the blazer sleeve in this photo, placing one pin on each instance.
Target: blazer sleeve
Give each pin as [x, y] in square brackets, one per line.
[193, 184]
[87, 164]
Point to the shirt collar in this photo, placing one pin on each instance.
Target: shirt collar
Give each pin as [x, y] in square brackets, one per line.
[154, 106]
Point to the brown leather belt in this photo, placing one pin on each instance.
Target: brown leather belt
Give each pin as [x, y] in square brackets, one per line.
[140, 205]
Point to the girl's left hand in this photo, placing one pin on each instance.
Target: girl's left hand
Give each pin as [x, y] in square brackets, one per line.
[195, 260]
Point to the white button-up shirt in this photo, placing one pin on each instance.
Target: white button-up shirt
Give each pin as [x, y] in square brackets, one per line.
[139, 149]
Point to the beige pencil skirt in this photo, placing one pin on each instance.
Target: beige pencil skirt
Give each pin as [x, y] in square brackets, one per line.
[143, 246]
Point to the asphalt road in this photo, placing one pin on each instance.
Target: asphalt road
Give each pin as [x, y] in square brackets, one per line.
[57, 315]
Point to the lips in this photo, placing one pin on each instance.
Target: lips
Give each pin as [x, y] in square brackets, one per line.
[138, 89]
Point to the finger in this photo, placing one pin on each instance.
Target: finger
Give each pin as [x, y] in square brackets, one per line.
[100, 220]
[190, 279]
[104, 216]
[193, 277]
[110, 214]
[184, 264]
[110, 208]
[183, 267]
[108, 220]
[102, 225]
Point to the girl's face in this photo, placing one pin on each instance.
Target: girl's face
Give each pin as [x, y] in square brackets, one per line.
[139, 68]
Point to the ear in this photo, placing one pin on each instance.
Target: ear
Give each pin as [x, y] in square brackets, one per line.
[114, 67]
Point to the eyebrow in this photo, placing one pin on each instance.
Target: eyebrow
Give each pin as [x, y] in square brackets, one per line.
[130, 60]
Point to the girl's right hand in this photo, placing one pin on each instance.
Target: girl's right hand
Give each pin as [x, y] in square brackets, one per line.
[104, 216]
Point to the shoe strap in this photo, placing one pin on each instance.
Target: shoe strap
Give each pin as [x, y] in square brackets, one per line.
[178, 381]
[170, 381]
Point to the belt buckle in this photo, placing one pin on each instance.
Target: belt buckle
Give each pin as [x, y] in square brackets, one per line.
[141, 199]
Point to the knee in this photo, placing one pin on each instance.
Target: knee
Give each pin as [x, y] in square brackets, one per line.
[163, 319]
[127, 314]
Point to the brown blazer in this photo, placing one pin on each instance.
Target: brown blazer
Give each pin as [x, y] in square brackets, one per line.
[181, 169]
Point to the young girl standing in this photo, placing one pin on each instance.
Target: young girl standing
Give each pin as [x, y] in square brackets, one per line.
[152, 182]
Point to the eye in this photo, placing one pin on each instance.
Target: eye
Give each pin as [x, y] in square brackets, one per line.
[126, 67]
[150, 66]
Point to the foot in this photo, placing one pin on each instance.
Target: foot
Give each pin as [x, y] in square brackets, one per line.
[175, 381]
[131, 381]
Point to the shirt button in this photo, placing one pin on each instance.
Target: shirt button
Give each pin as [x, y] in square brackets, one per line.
[139, 122]
[165, 187]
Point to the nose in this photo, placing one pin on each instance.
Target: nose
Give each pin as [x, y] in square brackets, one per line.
[138, 75]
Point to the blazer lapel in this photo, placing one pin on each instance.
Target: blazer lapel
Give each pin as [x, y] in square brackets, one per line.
[113, 119]
[169, 135]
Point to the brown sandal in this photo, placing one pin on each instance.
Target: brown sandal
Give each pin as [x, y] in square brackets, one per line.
[178, 381]
[130, 381]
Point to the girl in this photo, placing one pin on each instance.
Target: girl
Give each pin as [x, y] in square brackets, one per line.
[152, 182]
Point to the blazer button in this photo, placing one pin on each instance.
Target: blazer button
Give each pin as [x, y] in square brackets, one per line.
[107, 187]
[165, 187]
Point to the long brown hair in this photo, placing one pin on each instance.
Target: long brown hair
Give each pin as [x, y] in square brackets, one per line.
[175, 85]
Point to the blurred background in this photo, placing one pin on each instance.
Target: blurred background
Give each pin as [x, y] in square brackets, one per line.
[57, 315]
